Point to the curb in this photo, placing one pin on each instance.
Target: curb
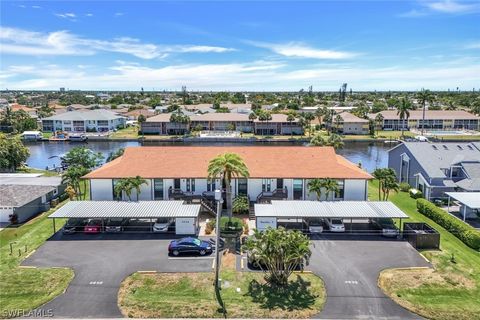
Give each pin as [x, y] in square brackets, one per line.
[147, 271]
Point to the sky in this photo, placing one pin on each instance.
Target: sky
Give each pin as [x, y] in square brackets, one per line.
[249, 45]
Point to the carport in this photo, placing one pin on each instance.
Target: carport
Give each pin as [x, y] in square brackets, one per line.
[469, 202]
[147, 212]
[278, 212]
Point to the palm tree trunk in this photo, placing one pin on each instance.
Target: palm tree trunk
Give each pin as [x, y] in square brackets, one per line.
[228, 195]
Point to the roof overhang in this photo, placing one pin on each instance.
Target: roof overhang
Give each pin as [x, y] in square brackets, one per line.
[127, 209]
[329, 209]
[470, 199]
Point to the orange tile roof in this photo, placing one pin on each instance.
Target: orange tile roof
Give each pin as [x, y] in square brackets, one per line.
[262, 162]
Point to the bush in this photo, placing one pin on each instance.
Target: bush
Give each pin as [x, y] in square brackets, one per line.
[227, 225]
[466, 233]
[415, 193]
[405, 187]
[240, 205]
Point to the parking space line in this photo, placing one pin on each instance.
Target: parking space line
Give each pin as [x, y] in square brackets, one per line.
[213, 264]
[190, 258]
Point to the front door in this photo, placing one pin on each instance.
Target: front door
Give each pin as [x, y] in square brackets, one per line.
[279, 183]
[176, 183]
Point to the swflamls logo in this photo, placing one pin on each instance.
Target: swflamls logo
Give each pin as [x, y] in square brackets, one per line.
[37, 313]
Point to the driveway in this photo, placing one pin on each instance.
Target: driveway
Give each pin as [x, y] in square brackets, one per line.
[100, 263]
[350, 269]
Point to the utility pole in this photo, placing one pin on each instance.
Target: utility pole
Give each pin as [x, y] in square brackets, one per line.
[219, 200]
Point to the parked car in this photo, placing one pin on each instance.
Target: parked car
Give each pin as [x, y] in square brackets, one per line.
[73, 225]
[163, 224]
[315, 226]
[189, 245]
[335, 225]
[115, 224]
[389, 229]
[93, 226]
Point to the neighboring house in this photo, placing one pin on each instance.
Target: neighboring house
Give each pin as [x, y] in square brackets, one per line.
[350, 124]
[134, 114]
[84, 121]
[434, 119]
[275, 173]
[160, 124]
[27, 194]
[436, 168]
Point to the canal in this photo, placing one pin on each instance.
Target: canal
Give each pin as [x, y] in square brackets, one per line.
[42, 154]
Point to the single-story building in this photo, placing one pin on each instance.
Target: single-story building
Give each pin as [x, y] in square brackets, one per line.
[180, 172]
[469, 203]
[185, 215]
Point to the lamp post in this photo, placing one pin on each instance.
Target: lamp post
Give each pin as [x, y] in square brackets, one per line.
[218, 199]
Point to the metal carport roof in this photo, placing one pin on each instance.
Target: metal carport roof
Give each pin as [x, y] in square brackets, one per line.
[127, 209]
[470, 199]
[329, 209]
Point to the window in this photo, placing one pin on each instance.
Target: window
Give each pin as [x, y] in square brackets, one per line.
[242, 186]
[211, 186]
[341, 190]
[176, 183]
[157, 189]
[266, 185]
[190, 185]
[297, 189]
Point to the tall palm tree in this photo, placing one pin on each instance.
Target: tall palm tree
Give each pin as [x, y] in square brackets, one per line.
[403, 111]
[252, 116]
[424, 96]
[136, 183]
[317, 140]
[338, 120]
[335, 141]
[291, 116]
[330, 185]
[123, 186]
[72, 177]
[319, 185]
[308, 117]
[226, 166]
[378, 120]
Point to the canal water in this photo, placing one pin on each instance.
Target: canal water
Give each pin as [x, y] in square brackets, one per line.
[371, 155]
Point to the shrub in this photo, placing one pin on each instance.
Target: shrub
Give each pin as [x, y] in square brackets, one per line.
[405, 187]
[240, 205]
[228, 225]
[415, 193]
[466, 233]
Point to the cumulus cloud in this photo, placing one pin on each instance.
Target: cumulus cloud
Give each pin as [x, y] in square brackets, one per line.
[300, 50]
[24, 42]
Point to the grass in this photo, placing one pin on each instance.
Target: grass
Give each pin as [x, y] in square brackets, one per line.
[191, 295]
[44, 173]
[22, 288]
[126, 133]
[449, 291]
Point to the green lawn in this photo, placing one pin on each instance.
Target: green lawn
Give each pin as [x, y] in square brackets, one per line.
[452, 290]
[191, 295]
[22, 288]
[34, 170]
[126, 133]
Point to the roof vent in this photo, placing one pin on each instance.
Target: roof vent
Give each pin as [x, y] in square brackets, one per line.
[459, 147]
[469, 147]
[434, 147]
[445, 147]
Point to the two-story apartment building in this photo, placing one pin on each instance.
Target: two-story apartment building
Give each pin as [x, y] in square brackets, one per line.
[349, 124]
[278, 125]
[434, 119]
[275, 173]
[98, 120]
[436, 168]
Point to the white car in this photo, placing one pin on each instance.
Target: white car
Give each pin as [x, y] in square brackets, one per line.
[162, 225]
[335, 225]
[315, 226]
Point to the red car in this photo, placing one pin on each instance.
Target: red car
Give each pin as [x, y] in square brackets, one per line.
[93, 226]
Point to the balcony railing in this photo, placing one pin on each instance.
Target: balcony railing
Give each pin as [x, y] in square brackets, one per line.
[268, 196]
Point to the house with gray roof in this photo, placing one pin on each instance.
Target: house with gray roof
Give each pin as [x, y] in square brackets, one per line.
[436, 168]
[98, 120]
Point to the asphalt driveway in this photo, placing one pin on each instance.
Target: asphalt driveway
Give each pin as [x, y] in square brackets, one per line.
[350, 270]
[100, 263]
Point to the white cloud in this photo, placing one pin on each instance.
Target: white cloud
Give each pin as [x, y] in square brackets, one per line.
[36, 7]
[300, 50]
[449, 6]
[473, 45]
[24, 42]
[67, 15]
[89, 14]
[257, 75]
[119, 14]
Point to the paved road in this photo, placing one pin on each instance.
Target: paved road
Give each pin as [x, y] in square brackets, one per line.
[350, 269]
[100, 265]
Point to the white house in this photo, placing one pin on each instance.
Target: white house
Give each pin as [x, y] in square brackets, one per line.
[98, 120]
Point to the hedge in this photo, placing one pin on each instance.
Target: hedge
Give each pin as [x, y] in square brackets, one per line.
[466, 233]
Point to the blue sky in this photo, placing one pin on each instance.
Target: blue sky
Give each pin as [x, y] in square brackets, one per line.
[250, 45]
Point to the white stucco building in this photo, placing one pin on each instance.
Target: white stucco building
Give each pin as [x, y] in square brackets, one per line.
[98, 120]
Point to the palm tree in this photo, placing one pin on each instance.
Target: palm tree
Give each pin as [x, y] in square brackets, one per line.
[123, 186]
[335, 141]
[451, 105]
[72, 177]
[424, 96]
[320, 113]
[252, 116]
[403, 111]
[291, 116]
[330, 185]
[338, 120]
[317, 140]
[308, 121]
[226, 166]
[315, 185]
[378, 120]
[136, 183]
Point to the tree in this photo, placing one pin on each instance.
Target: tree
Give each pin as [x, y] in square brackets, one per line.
[72, 177]
[12, 153]
[319, 185]
[115, 154]
[137, 183]
[424, 96]
[378, 121]
[22, 121]
[315, 186]
[279, 252]
[387, 181]
[335, 141]
[338, 121]
[141, 119]
[291, 116]
[240, 204]
[226, 166]
[45, 111]
[127, 185]
[318, 140]
[330, 185]
[308, 117]
[403, 112]
[82, 157]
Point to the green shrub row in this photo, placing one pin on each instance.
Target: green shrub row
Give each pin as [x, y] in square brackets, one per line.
[466, 233]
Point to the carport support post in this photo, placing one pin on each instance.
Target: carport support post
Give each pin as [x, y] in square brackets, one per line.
[54, 229]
